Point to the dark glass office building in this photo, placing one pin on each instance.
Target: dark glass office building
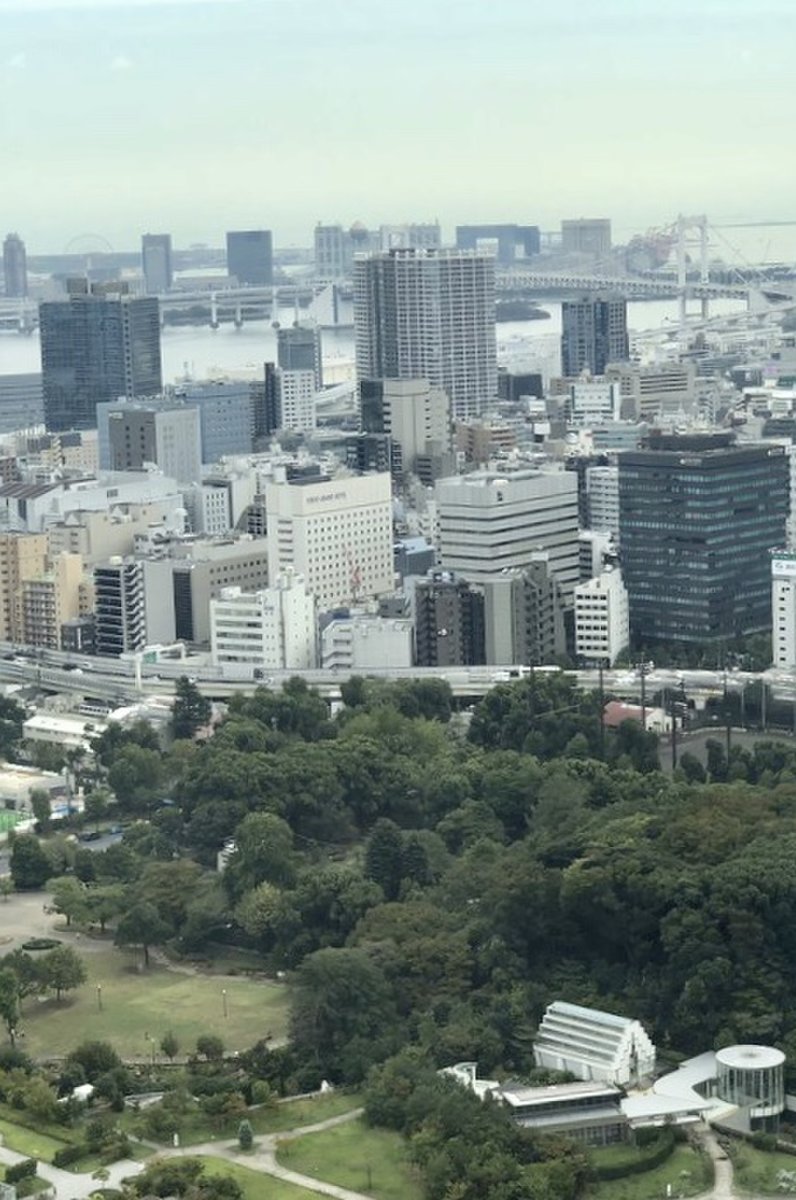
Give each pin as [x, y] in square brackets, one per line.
[698, 517]
[593, 334]
[96, 348]
[250, 257]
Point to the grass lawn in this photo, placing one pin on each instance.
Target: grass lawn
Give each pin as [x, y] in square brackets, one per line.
[757, 1170]
[687, 1171]
[28, 1141]
[374, 1161]
[140, 1003]
[256, 1185]
[197, 1127]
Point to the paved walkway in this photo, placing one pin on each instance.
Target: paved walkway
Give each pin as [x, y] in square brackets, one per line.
[72, 1186]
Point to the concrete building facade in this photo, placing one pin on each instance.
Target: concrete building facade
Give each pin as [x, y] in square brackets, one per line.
[489, 522]
[415, 416]
[274, 628]
[524, 616]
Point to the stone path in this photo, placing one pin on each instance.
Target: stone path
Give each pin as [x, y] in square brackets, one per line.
[72, 1186]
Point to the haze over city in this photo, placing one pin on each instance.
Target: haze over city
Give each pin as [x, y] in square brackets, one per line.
[119, 116]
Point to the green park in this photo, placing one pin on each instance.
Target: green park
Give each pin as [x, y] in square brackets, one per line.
[241, 971]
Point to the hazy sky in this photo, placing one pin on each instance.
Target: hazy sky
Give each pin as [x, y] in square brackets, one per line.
[194, 116]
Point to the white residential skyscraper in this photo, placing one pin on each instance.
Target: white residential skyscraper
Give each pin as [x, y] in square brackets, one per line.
[429, 314]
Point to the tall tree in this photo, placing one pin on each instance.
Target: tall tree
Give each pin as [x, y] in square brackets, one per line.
[9, 1002]
[191, 709]
[30, 865]
[142, 926]
[384, 859]
[64, 970]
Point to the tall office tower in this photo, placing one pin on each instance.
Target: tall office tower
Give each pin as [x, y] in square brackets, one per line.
[587, 236]
[226, 415]
[490, 522]
[119, 609]
[15, 266]
[507, 242]
[593, 334]
[337, 533]
[698, 517]
[250, 257]
[415, 416]
[96, 347]
[299, 348]
[524, 615]
[429, 315]
[160, 431]
[449, 622]
[156, 262]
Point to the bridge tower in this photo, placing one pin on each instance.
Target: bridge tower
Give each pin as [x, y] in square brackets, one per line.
[692, 234]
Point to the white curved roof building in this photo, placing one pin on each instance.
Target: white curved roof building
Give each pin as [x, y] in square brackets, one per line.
[593, 1045]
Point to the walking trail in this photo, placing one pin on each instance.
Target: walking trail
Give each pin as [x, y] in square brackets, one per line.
[69, 1186]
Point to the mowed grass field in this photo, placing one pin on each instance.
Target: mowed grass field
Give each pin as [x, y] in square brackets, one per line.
[256, 1185]
[758, 1170]
[135, 1008]
[373, 1161]
[687, 1171]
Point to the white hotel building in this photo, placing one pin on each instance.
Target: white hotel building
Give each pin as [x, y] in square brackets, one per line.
[337, 533]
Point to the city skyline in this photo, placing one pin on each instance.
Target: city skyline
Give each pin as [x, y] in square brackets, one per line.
[276, 115]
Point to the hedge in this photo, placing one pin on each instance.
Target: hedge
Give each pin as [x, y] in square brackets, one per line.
[649, 1157]
[69, 1154]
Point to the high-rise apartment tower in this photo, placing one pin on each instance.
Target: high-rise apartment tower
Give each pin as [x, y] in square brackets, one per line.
[429, 315]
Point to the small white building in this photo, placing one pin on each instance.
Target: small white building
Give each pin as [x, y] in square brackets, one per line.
[363, 641]
[273, 628]
[593, 1045]
[592, 402]
[783, 609]
[602, 493]
[602, 618]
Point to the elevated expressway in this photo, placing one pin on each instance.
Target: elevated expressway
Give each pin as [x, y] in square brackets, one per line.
[118, 682]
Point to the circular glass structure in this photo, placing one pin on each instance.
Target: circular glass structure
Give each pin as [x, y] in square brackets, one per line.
[752, 1077]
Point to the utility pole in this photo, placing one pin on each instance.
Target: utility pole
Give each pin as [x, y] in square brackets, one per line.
[602, 714]
[641, 667]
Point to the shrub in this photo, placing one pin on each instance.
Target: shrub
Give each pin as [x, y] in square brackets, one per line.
[24, 1170]
[245, 1135]
[67, 1155]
